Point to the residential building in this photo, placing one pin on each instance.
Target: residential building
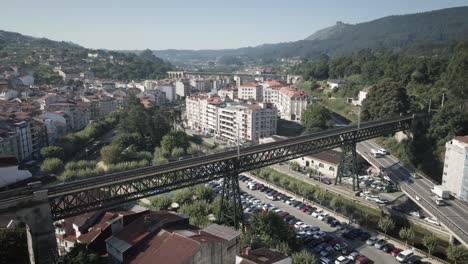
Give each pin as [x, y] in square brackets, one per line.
[169, 90]
[361, 96]
[8, 143]
[262, 256]
[323, 163]
[182, 88]
[24, 139]
[335, 84]
[250, 91]
[39, 137]
[290, 102]
[167, 237]
[198, 84]
[455, 174]
[228, 92]
[8, 94]
[69, 74]
[229, 121]
[9, 171]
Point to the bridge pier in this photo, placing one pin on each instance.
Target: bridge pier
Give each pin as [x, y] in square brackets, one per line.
[231, 212]
[42, 243]
[348, 165]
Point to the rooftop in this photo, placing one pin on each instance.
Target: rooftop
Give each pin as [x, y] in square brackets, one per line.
[263, 256]
[463, 139]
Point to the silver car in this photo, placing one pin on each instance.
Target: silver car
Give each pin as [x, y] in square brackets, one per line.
[371, 241]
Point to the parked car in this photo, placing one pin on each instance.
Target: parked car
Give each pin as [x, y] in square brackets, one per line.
[363, 260]
[380, 243]
[431, 220]
[317, 213]
[404, 255]
[342, 260]
[371, 241]
[271, 197]
[387, 248]
[395, 252]
[324, 260]
[353, 255]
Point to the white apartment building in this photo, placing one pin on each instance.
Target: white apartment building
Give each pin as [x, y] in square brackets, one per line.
[169, 90]
[290, 102]
[250, 91]
[198, 84]
[228, 92]
[455, 177]
[229, 121]
[182, 88]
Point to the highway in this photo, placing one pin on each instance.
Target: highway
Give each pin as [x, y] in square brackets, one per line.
[454, 215]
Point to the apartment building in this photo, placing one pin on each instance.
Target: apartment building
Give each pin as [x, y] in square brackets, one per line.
[290, 101]
[182, 88]
[250, 91]
[455, 175]
[230, 121]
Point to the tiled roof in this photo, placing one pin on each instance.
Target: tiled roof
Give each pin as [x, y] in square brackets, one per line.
[293, 92]
[463, 139]
[7, 161]
[263, 256]
[222, 231]
[329, 156]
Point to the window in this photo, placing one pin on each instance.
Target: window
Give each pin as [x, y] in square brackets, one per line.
[331, 168]
[321, 165]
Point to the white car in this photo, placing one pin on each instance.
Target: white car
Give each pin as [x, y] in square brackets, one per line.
[382, 151]
[415, 214]
[298, 224]
[322, 216]
[342, 260]
[317, 212]
[271, 197]
[288, 202]
[433, 221]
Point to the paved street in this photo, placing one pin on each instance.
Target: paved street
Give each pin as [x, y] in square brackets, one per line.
[371, 252]
[454, 215]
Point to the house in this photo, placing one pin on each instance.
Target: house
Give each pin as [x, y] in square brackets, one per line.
[325, 163]
[167, 237]
[8, 94]
[335, 84]
[361, 96]
[9, 172]
[262, 256]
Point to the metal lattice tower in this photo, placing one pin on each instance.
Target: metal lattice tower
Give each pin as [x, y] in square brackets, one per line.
[348, 165]
[231, 212]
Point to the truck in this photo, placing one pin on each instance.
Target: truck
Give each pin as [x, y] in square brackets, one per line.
[376, 153]
[440, 192]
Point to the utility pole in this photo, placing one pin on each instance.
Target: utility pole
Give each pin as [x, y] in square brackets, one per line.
[359, 118]
[430, 102]
[443, 99]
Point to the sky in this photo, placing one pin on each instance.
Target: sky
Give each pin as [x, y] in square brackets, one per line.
[194, 24]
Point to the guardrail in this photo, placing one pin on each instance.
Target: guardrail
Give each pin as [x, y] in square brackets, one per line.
[442, 218]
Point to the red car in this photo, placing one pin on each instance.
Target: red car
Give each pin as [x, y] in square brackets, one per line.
[363, 260]
[395, 252]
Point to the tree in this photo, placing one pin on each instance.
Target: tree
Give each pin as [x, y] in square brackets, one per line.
[446, 124]
[316, 117]
[177, 152]
[79, 254]
[52, 166]
[456, 78]
[14, 247]
[407, 234]
[160, 202]
[457, 254]
[385, 224]
[294, 165]
[204, 193]
[198, 212]
[52, 152]
[284, 248]
[336, 203]
[430, 242]
[303, 257]
[111, 154]
[385, 99]
[182, 196]
[175, 139]
[271, 229]
[320, 195]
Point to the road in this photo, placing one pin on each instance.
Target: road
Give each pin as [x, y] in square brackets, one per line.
[371, 252]
[454, 216]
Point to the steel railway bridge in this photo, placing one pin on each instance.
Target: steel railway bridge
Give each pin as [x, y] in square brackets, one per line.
[69, 199]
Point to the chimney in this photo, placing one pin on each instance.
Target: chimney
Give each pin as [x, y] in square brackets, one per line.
[247, 250]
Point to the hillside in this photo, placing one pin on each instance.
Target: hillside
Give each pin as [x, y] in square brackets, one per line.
[421, 31]
[41, 55]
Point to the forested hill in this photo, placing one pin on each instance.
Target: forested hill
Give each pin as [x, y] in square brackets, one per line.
[422, 32]
[36, 53]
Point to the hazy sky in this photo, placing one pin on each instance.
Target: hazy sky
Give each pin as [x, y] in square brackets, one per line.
[193, 24]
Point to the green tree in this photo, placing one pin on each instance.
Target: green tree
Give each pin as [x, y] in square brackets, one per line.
[294, 165]
[198, 212]
[316, 117]
[430, 242]
[407, 234]
[456, 78]
[175, 139]
[204, 193]
[182, 196]
[52, 166]
[446, 124]
[271, 229]
[303, 257]
[52, 152]
[386, 224]
[14, 247]
[320, 195]
[160, 202]
[284, 248]
[177, 152]
[111, 154]
[336, 203]
[79, 254]
[385, 99]
[457, 254]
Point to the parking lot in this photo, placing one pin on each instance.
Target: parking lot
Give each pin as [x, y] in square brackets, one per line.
[321, 234]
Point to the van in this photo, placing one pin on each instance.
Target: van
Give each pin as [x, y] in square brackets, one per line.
[404, 255]
[439, 201]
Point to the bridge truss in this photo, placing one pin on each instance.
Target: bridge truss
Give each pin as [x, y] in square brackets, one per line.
[110, 190]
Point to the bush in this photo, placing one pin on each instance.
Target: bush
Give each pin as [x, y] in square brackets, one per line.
[52, 166]
[52, 152]
[178, 152]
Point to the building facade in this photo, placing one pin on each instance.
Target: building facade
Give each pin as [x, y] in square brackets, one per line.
[455, 175]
